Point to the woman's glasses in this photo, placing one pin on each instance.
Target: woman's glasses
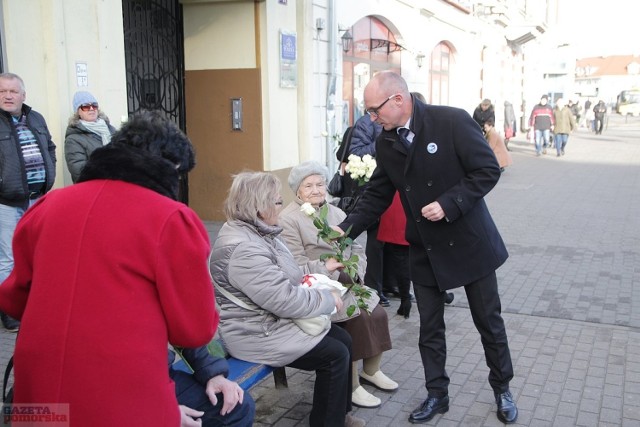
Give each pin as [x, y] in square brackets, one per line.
[87, 107]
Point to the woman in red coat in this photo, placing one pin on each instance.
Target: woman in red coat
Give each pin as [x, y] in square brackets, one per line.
[396, 255]
[108, 271]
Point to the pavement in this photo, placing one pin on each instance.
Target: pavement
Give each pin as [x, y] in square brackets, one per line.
[570, 295]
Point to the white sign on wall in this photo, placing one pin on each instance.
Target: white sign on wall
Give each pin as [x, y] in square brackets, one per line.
[82, 74]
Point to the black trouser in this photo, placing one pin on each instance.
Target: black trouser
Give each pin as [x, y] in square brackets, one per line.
[484, 303]
[599, 124]
[396, 269]
[331, 359]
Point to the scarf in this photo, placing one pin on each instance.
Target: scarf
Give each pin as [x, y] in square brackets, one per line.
[100, 128]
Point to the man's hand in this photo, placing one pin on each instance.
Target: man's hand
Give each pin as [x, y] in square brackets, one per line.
[338, 229]
[190, 417]
[433, 212]
[231, 391]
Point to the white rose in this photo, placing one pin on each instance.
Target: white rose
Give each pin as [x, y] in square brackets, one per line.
[307, 209]
[369, 173]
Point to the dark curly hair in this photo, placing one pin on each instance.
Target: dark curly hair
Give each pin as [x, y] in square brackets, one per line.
[149, 131]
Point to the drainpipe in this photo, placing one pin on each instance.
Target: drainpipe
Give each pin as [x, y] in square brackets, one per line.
[331, 85]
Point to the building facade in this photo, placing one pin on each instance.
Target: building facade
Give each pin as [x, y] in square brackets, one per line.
[264, 85]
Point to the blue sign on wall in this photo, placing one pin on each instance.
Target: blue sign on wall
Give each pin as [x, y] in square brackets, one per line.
[288, 63]
[288, 46]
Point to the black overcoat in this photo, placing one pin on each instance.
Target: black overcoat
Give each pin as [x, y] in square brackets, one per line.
[449, 161]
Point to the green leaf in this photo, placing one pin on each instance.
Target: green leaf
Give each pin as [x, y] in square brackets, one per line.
[333, 234]
[325, 257]
[351, 309]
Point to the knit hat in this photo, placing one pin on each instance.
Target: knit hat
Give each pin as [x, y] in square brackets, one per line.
[305, 169]
[83, 97]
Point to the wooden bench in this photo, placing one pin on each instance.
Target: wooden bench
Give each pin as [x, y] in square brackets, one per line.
[246, 374]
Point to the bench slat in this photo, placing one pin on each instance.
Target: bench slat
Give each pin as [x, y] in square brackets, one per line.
[246, 374]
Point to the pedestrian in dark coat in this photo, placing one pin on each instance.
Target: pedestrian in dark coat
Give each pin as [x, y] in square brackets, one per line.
[437, 159]
[88, 129]
[483, 112]
[599, 110]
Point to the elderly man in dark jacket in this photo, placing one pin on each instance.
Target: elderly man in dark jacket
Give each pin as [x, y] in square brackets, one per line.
[439, 162]
[27, 167]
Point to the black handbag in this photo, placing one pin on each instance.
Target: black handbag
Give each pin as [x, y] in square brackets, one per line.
[7, 397]
[336, 186]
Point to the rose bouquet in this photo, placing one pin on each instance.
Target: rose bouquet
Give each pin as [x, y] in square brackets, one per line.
[361, 168]
[339, 243]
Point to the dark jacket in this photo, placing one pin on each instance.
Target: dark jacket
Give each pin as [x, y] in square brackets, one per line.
[363, 140]
[450, 162]
[363, 137]
[480, 116]
[14, 190]
[79, 143]
[541, 117]
[204, 365]
[600, 109]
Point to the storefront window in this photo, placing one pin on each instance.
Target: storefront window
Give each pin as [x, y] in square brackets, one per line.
[374, 49]
[441, 58]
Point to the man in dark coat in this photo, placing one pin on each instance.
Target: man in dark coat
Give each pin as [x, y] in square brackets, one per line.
[483, 112]
[27, 167]
[437, 159]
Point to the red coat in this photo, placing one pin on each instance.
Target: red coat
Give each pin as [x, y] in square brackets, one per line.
[106, 273]
[393, 223]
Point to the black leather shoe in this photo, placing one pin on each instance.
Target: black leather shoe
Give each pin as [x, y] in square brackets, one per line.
[9, 323]
[429, 409]
[384, 301]
[405, 308]
[507, 409]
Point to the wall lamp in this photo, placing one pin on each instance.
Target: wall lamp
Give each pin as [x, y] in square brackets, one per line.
[347, 41]
[419, 58]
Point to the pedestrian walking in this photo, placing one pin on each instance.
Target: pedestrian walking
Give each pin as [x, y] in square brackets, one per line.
[542, 122]
[599, 112]
[565, 124]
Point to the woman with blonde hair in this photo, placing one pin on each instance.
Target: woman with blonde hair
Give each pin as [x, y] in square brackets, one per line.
[258, 290]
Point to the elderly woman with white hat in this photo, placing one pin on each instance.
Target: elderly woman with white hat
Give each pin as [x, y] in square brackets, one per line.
[369, 331]
[88, 129]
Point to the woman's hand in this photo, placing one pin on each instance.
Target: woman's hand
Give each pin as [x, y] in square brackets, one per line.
[332, 264]
[338, 299]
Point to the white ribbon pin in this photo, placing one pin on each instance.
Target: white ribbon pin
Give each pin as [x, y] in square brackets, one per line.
[432, 147]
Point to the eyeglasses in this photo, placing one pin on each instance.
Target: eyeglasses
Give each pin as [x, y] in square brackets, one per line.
[87, 107]
[374, 112]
